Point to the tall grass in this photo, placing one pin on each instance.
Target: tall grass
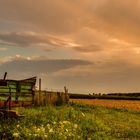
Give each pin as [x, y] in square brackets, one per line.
[72, 122]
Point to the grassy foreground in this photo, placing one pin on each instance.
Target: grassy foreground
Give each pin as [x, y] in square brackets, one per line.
[72, 122]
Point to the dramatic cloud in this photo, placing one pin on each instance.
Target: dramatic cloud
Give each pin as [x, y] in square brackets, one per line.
[83, 23]
[53, 16]
[3, 49]
[26, 39]
[40, 66]
[90, 48]
[100, 77]
[120, 19]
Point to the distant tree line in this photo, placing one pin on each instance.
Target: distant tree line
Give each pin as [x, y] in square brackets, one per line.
[116, 96]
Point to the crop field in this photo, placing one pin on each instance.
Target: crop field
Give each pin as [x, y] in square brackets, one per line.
[126, 104]
[72, 122]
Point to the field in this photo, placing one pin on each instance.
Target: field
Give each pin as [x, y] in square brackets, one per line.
[72, 122]
[126, 104]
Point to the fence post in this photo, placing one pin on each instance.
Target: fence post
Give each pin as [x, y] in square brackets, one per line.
[33, 95]
[10, 99]
[17, 92]
[66, 94]
[39, 89]
[5, 76]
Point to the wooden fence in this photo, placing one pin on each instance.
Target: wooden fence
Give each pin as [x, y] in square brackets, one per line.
[12, 90]
[51, 98]
[22, 93]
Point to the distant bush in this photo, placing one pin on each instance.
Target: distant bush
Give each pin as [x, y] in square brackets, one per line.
[104, 96]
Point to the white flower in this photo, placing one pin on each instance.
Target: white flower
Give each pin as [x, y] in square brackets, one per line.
[75, 125]
[83, 114]
[66, 122]
[61, 126]
[45, 136]
[48, 125]
[35, 135]
[38, 129]
[15, 135]
[42, 128]
[60, 134]
[51, 130]
[78, 137]
[69, 135]
[18, 126]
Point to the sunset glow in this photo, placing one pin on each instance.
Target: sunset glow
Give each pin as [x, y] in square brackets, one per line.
[89, 46]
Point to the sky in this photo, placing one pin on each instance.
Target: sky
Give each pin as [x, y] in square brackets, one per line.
[90, 46]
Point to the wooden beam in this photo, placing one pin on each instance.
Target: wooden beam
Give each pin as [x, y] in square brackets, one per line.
[39, 88]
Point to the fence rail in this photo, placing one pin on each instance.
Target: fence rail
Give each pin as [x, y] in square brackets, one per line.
[17, 88]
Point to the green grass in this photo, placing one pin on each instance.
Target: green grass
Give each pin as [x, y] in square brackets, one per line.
[73, 122]
[20, 98]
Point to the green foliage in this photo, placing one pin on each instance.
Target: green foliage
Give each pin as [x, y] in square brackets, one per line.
[72, 122]
[129, 96]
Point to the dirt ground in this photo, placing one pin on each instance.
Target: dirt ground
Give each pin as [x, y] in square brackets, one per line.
[18, 104]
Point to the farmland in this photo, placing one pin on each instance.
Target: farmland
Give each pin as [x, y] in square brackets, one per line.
[83, 119]
[126, 104]
[72, 122]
